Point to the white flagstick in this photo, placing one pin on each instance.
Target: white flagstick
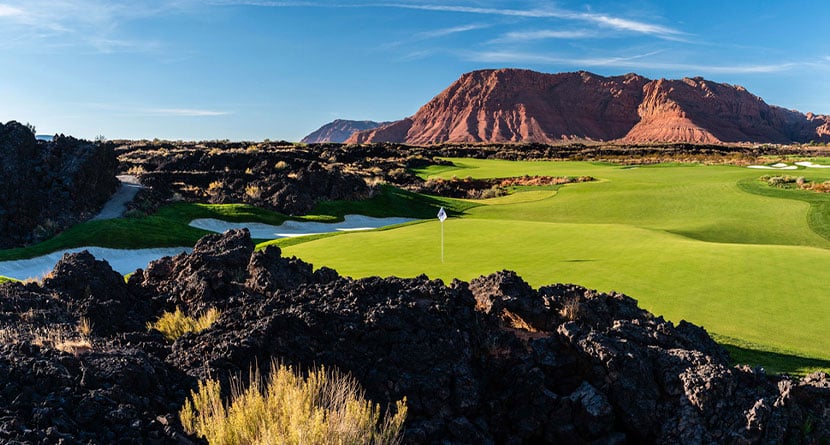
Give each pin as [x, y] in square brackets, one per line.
[442, 215]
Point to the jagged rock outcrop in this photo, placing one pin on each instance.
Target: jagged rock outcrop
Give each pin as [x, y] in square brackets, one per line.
[512, 105]
[48, 186]
[489, 361]
[339, 130]
[278, 176]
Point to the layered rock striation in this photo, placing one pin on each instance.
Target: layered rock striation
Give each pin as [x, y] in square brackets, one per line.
[48, 186]
[513, 105]
[487, 361]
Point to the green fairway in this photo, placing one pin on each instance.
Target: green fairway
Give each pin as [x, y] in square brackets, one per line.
[709, 244]
[701, 243]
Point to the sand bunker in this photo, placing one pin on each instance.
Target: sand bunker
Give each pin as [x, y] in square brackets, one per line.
[778, 166]
[782, 166]
[811, 165]
[298, 228]
[123, 261]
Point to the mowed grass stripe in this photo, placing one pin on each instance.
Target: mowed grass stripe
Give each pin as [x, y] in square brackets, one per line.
[701, 202]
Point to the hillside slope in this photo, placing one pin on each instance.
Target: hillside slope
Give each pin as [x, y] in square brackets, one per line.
[512, 105]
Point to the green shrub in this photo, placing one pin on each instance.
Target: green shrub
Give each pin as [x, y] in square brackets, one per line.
[323, 408]
[175, 324]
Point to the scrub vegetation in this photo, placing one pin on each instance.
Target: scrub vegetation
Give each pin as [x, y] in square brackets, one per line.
[325, 407]
[175, 324]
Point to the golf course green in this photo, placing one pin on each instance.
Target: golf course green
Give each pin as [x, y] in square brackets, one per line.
[709, 244]
[712, 245]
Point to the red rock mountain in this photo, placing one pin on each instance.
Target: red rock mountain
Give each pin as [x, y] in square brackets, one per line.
[512, 105]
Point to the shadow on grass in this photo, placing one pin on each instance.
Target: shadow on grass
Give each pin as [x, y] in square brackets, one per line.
[775, 362]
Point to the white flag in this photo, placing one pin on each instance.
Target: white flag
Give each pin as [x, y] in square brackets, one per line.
[442, 215]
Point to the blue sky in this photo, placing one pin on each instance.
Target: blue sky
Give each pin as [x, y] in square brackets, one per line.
[249, 70]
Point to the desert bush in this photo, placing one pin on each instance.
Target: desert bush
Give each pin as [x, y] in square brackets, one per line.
[253, 191]
[175, 324]
[324, 408]
[570, 309]
[215, 185]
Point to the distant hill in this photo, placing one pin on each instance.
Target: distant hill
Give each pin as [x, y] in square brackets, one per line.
[513, 105]
[339, 130]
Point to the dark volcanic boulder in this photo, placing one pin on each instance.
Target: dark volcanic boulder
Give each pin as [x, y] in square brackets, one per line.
[496, 361]
[48, 186]
[96, 292]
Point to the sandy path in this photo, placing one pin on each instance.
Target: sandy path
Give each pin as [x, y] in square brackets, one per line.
[117, 205]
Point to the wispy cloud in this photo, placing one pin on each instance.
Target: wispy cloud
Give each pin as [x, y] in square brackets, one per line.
[184, 112]
[636, 61]
[604, 20]
[524, 36]
[94, 24]
[9, 11]
[451, 30]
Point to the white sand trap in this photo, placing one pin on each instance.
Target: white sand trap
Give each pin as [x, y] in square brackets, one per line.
[123, 261]
[298, 228]
[811, 165]
[778, 166]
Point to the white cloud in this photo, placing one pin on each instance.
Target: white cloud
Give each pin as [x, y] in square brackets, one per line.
[542, 35]
[635, 62]
[604, 20]
[452, 30]
[598, 19]
[9, 11]
[94, 24]
[184, 112]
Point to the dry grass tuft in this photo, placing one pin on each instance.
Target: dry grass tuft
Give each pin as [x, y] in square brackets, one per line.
[570, 309]
[57, 338]
[323, 408]
[175, 324]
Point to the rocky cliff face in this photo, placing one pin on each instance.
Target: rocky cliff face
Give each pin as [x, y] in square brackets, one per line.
[510, 105]
[487, 361]
[339, 130]
[48, 186]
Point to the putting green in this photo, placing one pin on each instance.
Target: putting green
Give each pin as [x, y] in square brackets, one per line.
[689, 242]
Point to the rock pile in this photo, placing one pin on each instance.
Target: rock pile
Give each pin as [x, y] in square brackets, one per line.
[489, 361]
[283, 177]
[48, 186]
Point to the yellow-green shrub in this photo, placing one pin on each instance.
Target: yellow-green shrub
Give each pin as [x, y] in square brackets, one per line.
[323, 408]
[175, 324]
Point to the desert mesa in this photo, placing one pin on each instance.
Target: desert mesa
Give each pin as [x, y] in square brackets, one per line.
[517, 105]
